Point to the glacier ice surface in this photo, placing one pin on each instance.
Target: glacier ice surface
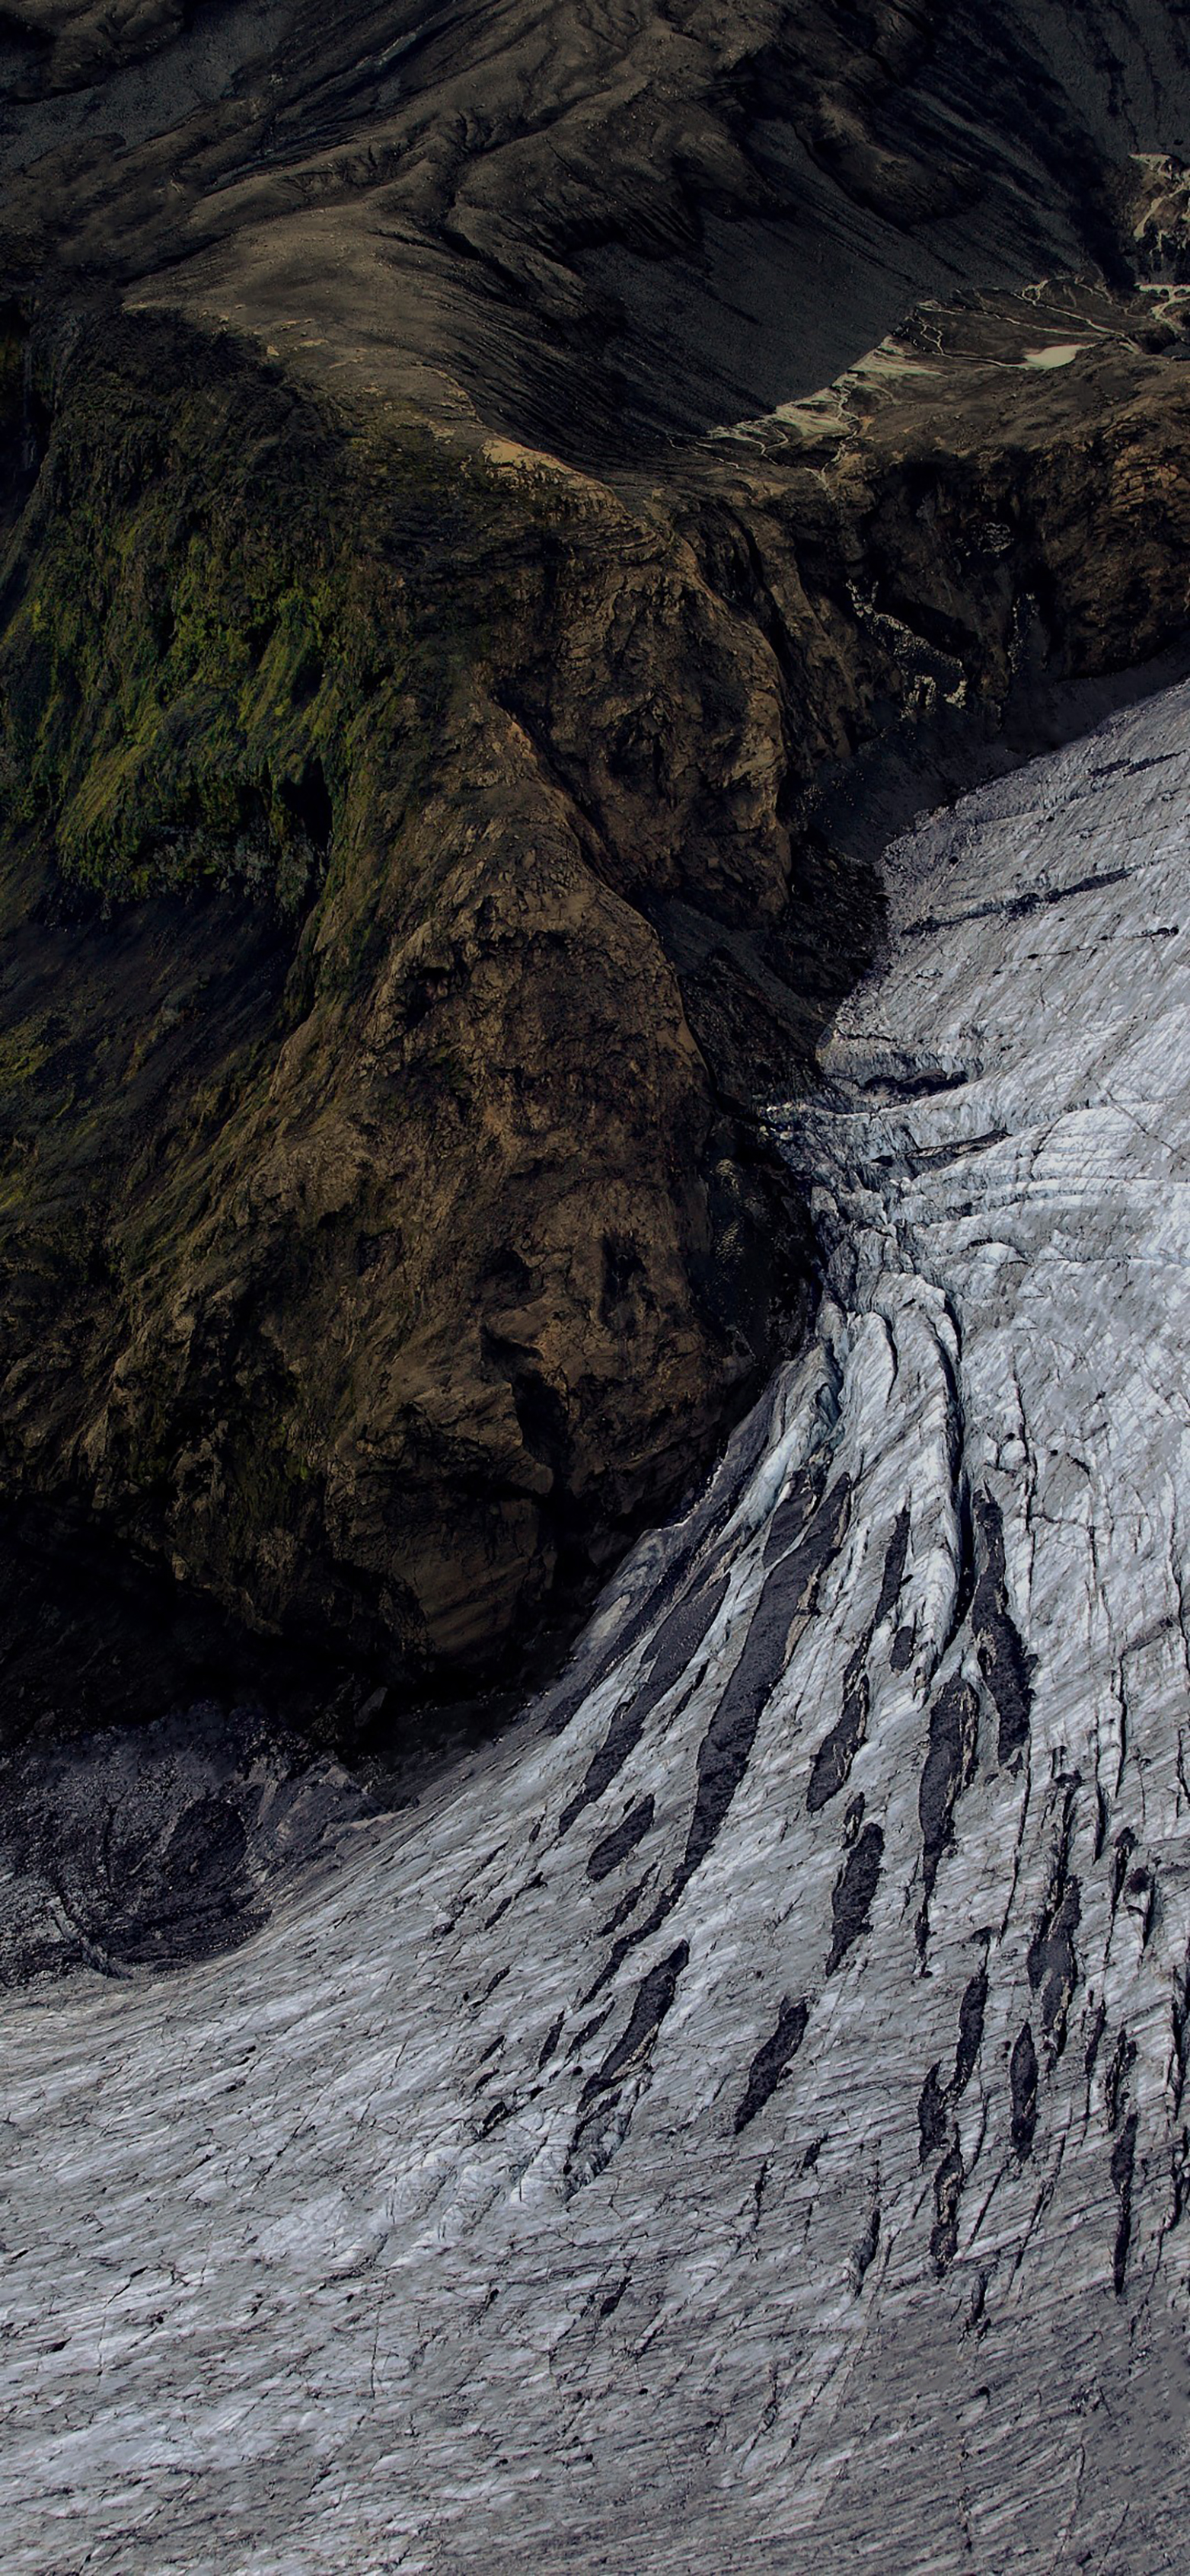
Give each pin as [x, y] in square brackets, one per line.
[737, 2119]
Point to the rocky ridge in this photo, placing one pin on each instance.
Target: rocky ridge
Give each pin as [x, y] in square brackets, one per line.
[423, 747]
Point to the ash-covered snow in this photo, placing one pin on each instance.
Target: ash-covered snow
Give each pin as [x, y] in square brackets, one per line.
[736, 2121]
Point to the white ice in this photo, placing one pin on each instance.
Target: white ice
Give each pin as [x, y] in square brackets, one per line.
[449, 2226]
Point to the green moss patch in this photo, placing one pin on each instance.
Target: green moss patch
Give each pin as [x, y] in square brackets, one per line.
[219, 601]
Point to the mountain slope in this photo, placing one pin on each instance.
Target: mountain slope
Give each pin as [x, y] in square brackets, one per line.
[421, 821]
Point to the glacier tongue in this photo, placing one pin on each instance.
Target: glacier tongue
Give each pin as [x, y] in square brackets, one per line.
[738, 2118]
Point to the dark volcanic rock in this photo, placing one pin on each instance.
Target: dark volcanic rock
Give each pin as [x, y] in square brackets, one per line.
[411, 749]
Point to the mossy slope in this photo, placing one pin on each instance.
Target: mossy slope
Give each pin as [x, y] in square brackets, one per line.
[377, 1186]
[410, 886]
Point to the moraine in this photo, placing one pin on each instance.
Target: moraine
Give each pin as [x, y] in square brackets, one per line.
[738, 2118]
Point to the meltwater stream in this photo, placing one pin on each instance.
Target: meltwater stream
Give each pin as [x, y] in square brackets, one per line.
[737, 2120]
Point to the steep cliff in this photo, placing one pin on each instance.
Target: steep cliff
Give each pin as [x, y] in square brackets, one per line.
[417, 727]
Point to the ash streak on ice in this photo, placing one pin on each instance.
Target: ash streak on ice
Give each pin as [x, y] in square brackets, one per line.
[739, 2118]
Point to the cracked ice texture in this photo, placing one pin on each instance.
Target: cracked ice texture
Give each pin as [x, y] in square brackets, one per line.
[738, 2119]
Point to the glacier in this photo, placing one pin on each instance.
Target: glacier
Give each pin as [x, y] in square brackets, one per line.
[737, 2118]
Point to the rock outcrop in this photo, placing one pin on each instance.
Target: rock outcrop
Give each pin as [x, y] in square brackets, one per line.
[434, 648]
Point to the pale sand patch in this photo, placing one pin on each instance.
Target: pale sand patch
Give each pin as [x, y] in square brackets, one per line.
[1061, 354]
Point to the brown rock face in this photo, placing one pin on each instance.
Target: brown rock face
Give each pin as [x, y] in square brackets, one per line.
[424, 848]
[396, 1253]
